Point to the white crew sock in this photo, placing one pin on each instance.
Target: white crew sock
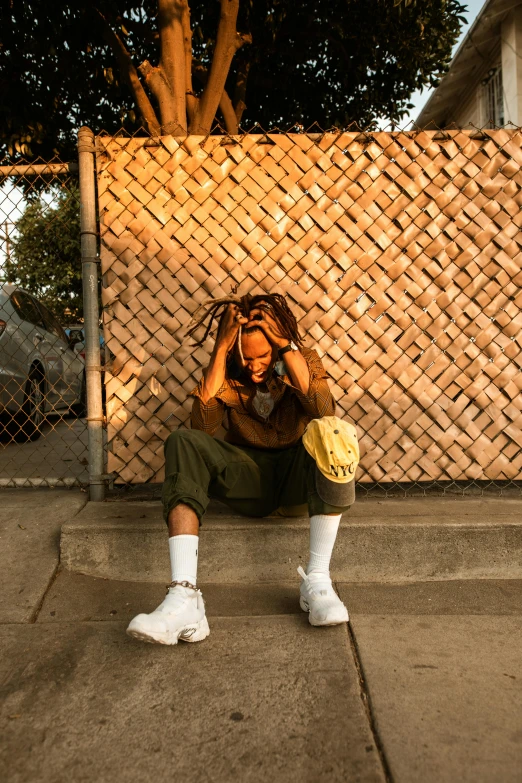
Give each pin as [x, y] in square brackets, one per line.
[184, 558]
[323, 532]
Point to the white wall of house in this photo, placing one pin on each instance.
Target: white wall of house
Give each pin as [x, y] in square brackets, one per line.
[511, 42]
[496, 98]
[470, 114]
[482, 105]
[483, 87]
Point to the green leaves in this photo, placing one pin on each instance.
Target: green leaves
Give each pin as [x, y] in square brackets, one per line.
[45, 258]
[333, 62]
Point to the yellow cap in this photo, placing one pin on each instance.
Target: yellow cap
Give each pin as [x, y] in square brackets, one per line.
[333, 445]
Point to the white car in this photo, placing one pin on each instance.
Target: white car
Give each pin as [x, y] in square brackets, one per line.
[39, 371]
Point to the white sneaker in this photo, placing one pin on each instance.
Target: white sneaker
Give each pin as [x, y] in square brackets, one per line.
[320, 600]
[181, 616]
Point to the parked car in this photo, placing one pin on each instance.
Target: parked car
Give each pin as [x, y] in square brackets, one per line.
[39, 371]
[76, 337]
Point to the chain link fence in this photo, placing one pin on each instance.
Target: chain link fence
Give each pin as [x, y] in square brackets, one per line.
[43, 432]
[399, 253]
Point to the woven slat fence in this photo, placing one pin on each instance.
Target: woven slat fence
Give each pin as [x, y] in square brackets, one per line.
[400, 254]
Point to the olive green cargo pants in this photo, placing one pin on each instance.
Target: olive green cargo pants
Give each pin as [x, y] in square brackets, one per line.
[252, 482]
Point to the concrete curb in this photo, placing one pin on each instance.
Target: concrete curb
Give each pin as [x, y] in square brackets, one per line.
[418, 540]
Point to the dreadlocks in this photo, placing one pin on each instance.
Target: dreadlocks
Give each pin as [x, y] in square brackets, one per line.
[275, 304]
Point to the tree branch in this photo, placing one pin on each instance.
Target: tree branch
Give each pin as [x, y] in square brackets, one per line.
[192, 101]
[228, 41]
[155, 81]
[240, 91]
[225, 104]
[130, 75]
[171, 29]
[229, 115]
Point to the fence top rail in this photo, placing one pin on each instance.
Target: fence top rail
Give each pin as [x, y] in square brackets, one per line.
[38, 168]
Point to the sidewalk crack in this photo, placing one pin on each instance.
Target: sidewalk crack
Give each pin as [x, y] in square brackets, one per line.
[34, 616]
[367, 702]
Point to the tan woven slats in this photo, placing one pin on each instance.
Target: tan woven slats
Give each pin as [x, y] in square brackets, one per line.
[400, 254]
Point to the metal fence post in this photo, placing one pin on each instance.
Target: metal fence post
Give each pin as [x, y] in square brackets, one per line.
[89, 234]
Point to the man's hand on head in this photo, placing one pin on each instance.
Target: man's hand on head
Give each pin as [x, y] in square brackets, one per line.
[229, 325]
[265, 321]
[214, 374]
[294, 360]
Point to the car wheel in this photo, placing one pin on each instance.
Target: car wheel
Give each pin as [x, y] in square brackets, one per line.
[27, 424]
[79, 409]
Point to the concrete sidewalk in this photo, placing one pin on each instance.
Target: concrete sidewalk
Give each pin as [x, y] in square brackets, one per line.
[60, 454]
[424, 684]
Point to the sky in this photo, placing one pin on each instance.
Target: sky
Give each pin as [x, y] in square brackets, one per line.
[420, 97]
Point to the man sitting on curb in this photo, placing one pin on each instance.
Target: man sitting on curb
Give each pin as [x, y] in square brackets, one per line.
[284, 447]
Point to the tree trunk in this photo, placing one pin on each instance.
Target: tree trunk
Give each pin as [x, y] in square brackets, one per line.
[170, 82]
[172, 65]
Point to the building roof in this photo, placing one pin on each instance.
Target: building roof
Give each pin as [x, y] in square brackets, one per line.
[476, 48]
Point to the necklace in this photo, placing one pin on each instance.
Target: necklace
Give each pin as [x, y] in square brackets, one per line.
[263, 404]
